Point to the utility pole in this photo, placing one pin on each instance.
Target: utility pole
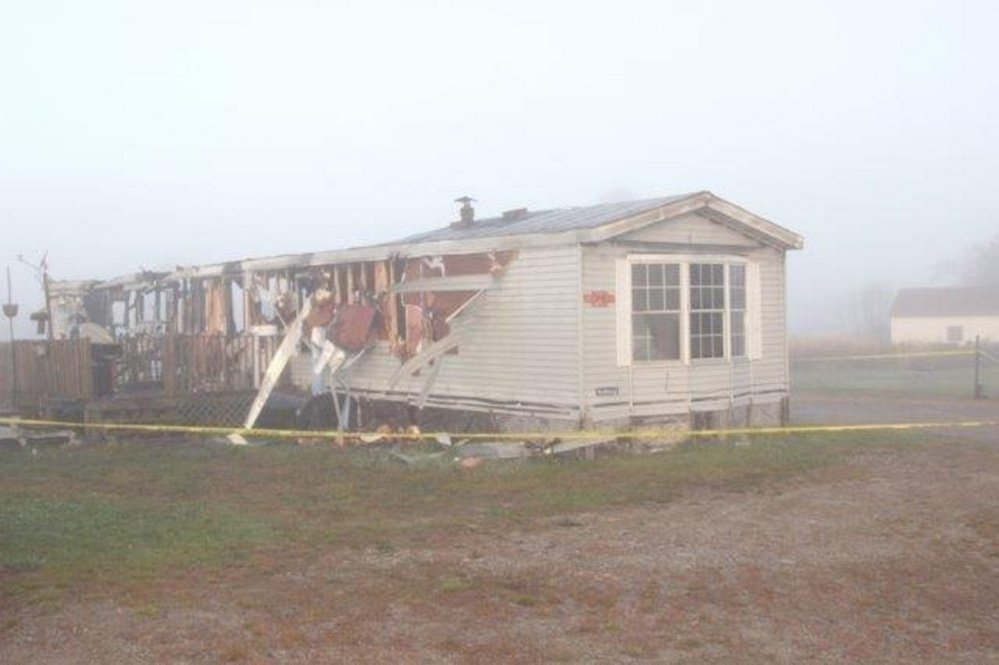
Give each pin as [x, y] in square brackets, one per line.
[48, 301]
[10, 311]
[979, 392]
[42, 273]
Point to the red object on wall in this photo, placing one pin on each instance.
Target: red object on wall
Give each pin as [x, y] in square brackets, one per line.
[599, 298]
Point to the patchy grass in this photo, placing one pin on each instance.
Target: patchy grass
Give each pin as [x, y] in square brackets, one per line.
[770, 552]
[950, 376]
[107, 538]
[117, 515]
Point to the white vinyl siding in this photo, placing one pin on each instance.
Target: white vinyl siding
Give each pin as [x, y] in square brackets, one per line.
[520, 352]
[691, 229]
[935, 330]
[754, 312]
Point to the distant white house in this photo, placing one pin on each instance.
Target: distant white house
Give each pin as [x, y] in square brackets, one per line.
[947, 315]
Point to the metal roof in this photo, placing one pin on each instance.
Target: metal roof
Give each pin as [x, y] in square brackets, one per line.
[521, 229]
[545, 221]
[947, 301]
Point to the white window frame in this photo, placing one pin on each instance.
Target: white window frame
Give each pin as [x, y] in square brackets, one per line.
[751, 323]
[678, 312]
[724, 311]
[729, 311]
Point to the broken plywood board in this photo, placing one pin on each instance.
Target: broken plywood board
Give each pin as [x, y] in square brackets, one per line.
[287, 348]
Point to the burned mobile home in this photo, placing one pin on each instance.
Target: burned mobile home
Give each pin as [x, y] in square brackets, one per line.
[663, 310]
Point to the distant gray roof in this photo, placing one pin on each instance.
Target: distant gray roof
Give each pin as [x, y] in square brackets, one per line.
[947, 301]
[545, 221]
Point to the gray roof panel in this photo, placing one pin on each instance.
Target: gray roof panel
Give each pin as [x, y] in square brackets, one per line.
[947, 301]
[545, 221]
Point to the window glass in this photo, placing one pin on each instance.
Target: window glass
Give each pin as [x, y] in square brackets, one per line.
[737, 310]
[714, 302]
[707, 310]
[655, 306]
[656, 336]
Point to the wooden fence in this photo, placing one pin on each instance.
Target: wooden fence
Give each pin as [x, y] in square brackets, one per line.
[177, 364]
[60, 369]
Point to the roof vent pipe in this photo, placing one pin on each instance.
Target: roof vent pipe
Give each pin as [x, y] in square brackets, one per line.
[514, 215]
[467, 211]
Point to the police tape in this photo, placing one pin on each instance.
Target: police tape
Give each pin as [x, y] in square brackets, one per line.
[886, 356]
[463, 437]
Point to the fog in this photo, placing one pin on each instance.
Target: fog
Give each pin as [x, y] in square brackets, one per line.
[135, 135]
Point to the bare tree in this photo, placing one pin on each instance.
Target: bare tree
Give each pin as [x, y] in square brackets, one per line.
[982, 265]
[867, 312]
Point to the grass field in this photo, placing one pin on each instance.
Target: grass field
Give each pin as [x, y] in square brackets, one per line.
[878, 548]
[117, 515]
[936, 376]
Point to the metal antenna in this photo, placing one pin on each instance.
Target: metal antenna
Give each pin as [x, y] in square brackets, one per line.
[42, 275]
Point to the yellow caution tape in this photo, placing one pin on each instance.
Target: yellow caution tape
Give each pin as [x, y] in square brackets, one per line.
[580, 435]
[884, 356]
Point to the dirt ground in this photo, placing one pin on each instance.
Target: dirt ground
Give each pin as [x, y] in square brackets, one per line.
[890, 557]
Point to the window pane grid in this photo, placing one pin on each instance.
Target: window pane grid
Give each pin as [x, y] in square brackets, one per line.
[714, 300]
[655, 306]
[707, 310]
[737, 310]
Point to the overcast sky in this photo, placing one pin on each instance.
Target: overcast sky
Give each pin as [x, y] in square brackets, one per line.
[151, 134]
